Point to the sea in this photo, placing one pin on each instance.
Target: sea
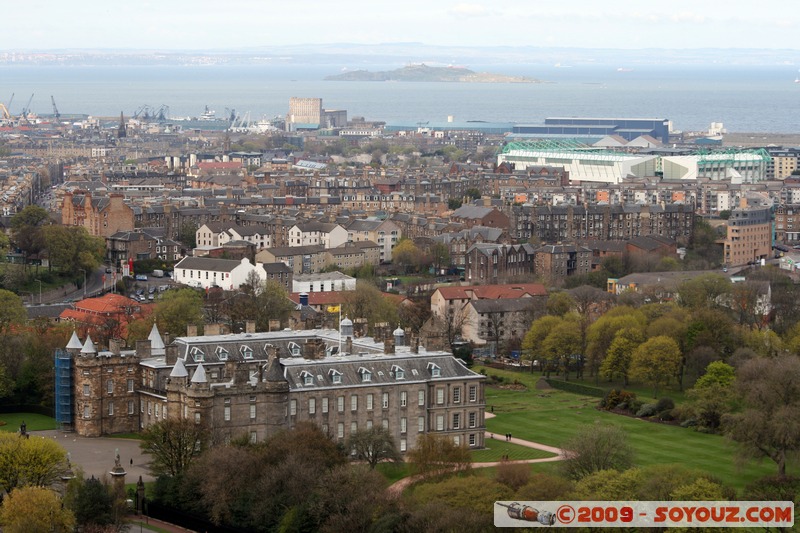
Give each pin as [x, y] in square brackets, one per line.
[745, 99]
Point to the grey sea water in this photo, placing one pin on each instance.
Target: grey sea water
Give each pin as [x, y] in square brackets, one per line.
[747, 99]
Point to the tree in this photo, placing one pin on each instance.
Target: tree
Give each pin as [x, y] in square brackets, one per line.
[370, 303]
[439, 454]
[173, 444]
[72, 249]
[35, 510]
[470, 492]
[260, 302]
[374, 445]
[12, 312]
[713, 396]
[601, 334]
[187, 234]
[24, 462]
[656, 362]
[560, 303]
[562, 343]
[595, 448]
[769, 424]
[617, 363]
[439, 256]
[93, 504]
[406, 254]
[26, 230]
[706, 291]
[177, 309]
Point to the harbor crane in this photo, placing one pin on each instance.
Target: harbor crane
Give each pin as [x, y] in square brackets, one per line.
[27, 109]
[10, 100]
[55, 109]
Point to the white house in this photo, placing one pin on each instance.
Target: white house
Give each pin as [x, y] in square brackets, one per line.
[215, 234]
[205, 272]
[311, 233]
[325, 282]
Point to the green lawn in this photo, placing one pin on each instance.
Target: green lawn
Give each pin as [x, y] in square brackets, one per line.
[394, 471]
[496, 448]
[33, 422]
[553, 416]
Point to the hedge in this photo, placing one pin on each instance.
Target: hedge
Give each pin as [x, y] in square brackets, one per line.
[577, 388]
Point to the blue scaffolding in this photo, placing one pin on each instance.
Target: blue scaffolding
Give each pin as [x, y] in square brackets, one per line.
[63, 392]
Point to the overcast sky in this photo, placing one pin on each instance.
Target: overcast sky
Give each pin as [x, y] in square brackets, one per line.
[203, 24]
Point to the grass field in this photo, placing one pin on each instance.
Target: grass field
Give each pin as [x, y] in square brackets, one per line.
[33, 422]
[552, 417]
[496, 448]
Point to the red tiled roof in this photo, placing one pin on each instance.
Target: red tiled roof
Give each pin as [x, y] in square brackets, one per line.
[492, 292]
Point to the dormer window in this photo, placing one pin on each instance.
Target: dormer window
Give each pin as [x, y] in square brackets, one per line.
[294, 349]
[307, 377]
[222, 353]
[336, 376]
[366, 375]
[246, 351]
[398, 372]
[434, 370]
[197, 354]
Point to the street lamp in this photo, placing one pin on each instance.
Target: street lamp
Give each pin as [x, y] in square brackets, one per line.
[40, 291]
[84, 281]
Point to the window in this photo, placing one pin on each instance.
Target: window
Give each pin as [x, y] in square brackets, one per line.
[292, 407]
[336, 376]
[110, 408]
[403, 398]
[421, 424]
[385, 423]
[421, 398]
[86, 390]
[353, 427]
[456, 420]
[87, 411]
[308, 378]
[403, 425]
[149, 407]
[227, 413]
[398, 372]
[222, 353]
[366, 375]
[110, 386]
[439, 422]
[130, 385]
[324, 405]
[131, 407]
[197, 417]
[340, 404]
[340, 430]
[294, 349]
[312, 406]
[439, 396]
[158, 407]
[456, 394]
[473, 393]
[385, 400]
[354, 402]
[252, 411]
[247, 352]
[472, 440]
[403, 445]
[473, 417]
[253, 437]
[435, 370]
[197, 354]
[369, 402]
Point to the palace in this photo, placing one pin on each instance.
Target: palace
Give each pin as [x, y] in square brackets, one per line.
[256, 384]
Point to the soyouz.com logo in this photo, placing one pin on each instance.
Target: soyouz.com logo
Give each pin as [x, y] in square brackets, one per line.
[644, 514]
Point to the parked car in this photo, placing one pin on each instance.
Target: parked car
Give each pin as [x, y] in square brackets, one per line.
[141, 277]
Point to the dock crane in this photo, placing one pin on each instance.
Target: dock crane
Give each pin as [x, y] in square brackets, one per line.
[10, 100]
[26, 110]
[55, 109]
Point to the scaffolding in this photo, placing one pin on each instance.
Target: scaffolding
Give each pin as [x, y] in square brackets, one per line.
[63, 392]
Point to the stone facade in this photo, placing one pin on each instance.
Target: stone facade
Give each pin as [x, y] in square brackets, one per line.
[102, 217]
[256, 384]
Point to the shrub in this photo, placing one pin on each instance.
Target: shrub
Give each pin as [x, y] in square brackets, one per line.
[647, 410]
[576, 388]
[513, 475]
[615, 398]
[664, 404]
[689, 423]
[634, 405]
[666, 416]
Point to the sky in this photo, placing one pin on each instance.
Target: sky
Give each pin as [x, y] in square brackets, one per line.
[230, 24]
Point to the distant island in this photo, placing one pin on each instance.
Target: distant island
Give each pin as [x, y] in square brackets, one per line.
[423, 72]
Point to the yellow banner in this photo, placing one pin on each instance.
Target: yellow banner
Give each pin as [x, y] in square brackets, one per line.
[334, 308]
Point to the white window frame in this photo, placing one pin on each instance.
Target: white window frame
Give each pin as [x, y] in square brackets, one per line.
[421, 424]
[340, 404]
[354, 402]
[385, 400]
[293, 407]
[370, 399]
[312, 406]
[403, 398]
[421, 397]
[325, 405]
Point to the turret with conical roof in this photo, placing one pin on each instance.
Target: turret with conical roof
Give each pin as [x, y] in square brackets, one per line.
[74, 342]
[88, 347]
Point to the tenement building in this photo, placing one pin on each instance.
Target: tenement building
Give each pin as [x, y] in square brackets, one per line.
[256, 384]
